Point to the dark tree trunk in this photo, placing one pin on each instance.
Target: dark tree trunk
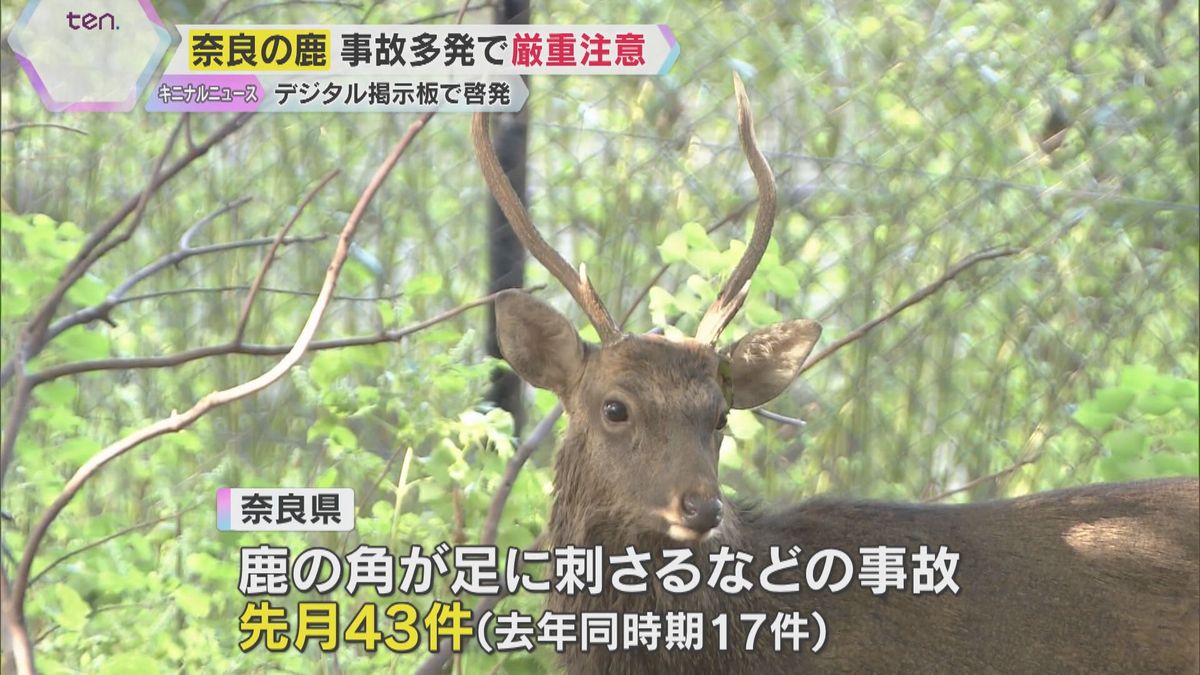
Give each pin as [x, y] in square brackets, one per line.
[506, 256]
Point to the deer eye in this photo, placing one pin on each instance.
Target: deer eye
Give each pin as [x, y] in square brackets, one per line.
[615, 411]
[722, 421]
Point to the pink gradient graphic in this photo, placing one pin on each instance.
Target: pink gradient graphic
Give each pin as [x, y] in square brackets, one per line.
[223, 514]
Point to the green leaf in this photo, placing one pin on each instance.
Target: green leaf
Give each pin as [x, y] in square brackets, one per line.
[425, 283]
[71, 610]
[700, 286]
[761, 314]
[697, 238]
[1184, 442]
[1178, 387]
[387, 312]
[674, 248]
[1155, 404]
[783, 281]
[1169, 465]
[57, 392]
[89, 290]
[1092, 418]
[1191, 406]
[77, 450]
[193, 602]
[1138, 378]
[1113, 400]
[81, 344]
[705, 261]
[1113, 469]
[661, 302]
[743, 424]
[1125, 443]
[328, 478]
[122, 664]
[342, 436]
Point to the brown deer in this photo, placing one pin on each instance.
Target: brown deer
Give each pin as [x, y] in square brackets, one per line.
[1103, 578]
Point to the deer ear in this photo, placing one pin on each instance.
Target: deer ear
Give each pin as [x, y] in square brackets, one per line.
[767, 360]
[538, 342]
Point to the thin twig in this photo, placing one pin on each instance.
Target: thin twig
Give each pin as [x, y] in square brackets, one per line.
[658, 275]
[269, 258]
[179, 421]
[531, 442]
[1028, 459]
[185, 241]
[101, 311]
[104, 540]
[32, 339]
[165, 361]
[925, 292]
[11, 129]
[166, 293]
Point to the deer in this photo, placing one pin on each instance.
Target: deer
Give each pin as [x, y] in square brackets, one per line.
[1099, 579]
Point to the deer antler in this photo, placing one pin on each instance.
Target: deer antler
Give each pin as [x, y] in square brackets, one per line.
[733, 293]
[576, 283]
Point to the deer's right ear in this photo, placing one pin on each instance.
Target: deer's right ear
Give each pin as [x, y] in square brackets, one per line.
[538, 342]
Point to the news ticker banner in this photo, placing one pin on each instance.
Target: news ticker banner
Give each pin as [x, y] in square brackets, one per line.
[104, 58]
[270, 575]
[285, 509]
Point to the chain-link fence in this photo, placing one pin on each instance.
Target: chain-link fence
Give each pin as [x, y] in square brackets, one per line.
[908, 137]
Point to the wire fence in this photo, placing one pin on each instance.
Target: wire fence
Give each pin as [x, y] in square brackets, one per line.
[908, 136]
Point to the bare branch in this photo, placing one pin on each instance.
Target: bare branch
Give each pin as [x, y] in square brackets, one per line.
[185, 242]
[18, 407]
[265, 289]
[925, 292]
[101, 311]
[179, 421]
[13, 128]
[437, 660]
[269, 258]
[1028, 459]
[513, 469]
[104, 540]
[32, 339]
[168, 360]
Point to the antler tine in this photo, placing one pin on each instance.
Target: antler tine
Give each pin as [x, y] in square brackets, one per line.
[576, 283]
[733, 293]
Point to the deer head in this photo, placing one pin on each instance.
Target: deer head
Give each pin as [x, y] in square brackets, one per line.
[646, 412]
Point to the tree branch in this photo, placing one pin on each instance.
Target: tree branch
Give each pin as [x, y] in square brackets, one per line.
[926, 291]
[240, 331]
[101, 311]
[104, 540]
[166, 361]
[179, 421]
[32, 339]
[437, 660]
[13, 128]
[1028, 459]
[265, 289]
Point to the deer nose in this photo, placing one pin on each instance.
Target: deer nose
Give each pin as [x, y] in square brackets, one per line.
[701, 514]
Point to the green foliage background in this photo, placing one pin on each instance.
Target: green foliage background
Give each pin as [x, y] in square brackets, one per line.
[907, 135]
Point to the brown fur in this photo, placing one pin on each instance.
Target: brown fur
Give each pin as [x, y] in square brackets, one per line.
[1098, 579]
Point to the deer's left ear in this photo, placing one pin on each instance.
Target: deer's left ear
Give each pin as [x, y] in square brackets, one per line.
[766, 361]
